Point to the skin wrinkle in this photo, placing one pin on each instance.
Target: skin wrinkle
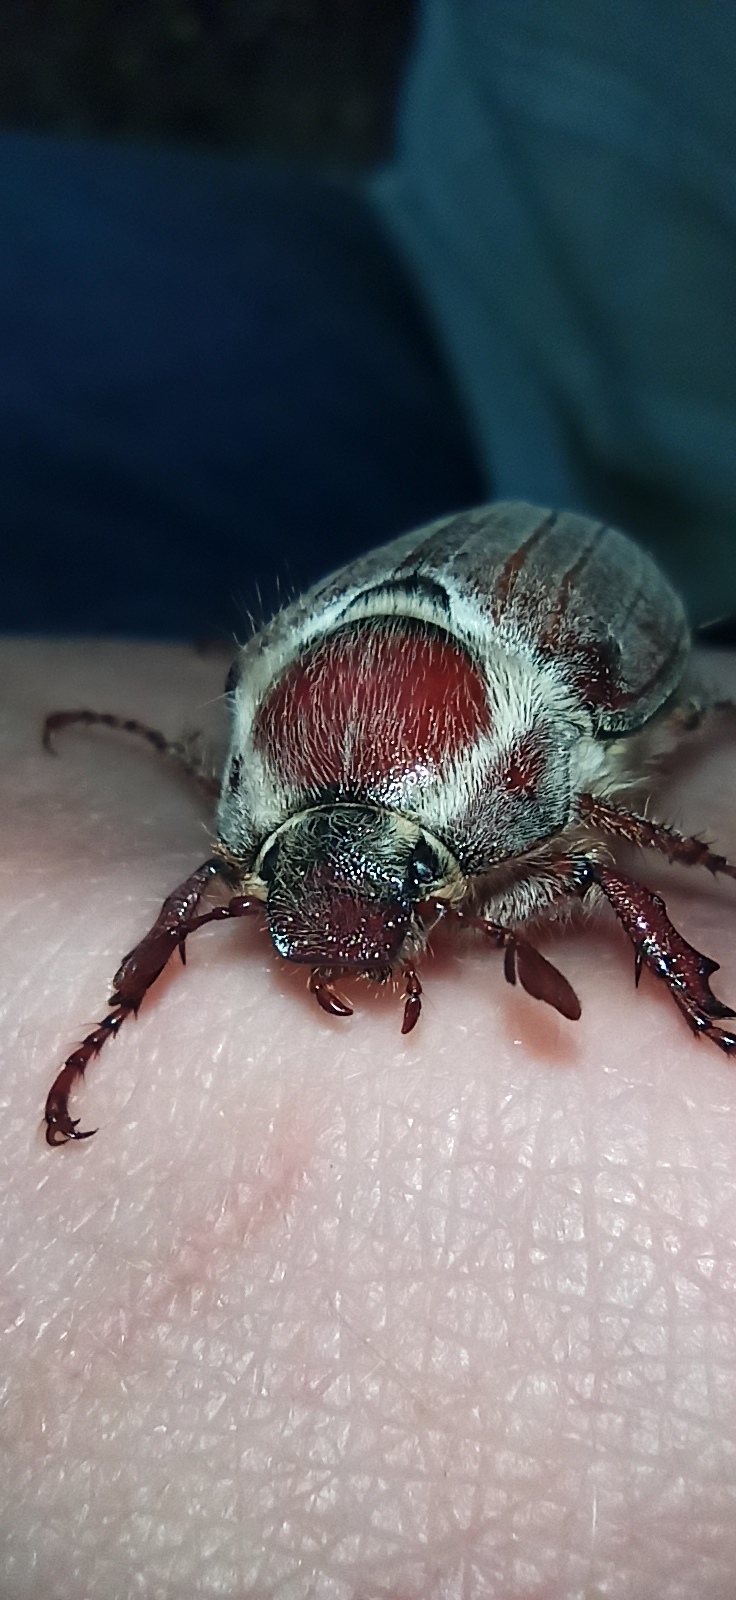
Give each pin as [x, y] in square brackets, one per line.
[323, 1312]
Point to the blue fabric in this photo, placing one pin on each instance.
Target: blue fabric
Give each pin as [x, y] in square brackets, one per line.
[217, 381]
[565, 194]
[215, 385]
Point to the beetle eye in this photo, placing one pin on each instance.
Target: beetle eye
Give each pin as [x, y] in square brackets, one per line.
[424, 868]
[233, 678]
[267, 869]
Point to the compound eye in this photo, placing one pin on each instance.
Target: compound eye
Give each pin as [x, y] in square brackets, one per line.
[233, 678]
[424, 868]
[267, 869]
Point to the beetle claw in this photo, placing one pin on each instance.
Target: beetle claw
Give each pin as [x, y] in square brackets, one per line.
[62, 1129]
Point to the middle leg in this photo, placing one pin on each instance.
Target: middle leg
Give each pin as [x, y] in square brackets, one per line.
[683, 848]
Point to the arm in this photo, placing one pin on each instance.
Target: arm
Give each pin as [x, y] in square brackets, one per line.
[320, 1305]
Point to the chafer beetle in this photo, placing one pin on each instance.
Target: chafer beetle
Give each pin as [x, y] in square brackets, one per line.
[451, 727]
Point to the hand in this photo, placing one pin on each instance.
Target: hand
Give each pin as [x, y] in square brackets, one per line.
[321, 1311]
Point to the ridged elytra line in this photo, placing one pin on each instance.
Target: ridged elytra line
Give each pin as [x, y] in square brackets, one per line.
[509, 575]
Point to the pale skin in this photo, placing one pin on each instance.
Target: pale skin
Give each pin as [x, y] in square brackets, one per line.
[321, 1311]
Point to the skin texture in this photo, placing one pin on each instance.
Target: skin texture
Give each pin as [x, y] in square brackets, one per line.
[322, 1311]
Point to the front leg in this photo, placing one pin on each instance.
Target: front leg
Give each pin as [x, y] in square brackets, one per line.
[134, 977]
[660, 947]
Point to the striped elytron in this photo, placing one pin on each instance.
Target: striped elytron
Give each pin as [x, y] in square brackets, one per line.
[455, 727]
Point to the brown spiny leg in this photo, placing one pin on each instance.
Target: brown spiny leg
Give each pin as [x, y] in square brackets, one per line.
[660, 947]
[320, 985]
[521, 960]
[175, 921]
[690, 852]
[412, 1000]
[180, 751]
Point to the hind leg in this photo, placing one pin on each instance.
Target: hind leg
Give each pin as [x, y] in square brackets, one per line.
[186, 753]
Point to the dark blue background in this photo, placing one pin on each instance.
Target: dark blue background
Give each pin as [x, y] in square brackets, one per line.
[215, 384]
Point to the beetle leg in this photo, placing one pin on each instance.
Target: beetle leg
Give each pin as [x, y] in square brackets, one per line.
[686, 850]
[241, 905]
[183, 752]
[327, 997]
[134, 977]
[539, 977]
[663, 950]
[521, 960]
[412, 1000]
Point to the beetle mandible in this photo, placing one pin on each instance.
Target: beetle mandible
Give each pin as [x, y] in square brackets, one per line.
[451, 727]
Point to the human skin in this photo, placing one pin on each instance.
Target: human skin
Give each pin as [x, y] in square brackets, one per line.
[322, 1311]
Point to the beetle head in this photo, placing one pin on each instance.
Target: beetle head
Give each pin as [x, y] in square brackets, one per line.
[343, 882]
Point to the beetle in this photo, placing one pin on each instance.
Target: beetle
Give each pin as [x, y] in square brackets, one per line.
[450, 728]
